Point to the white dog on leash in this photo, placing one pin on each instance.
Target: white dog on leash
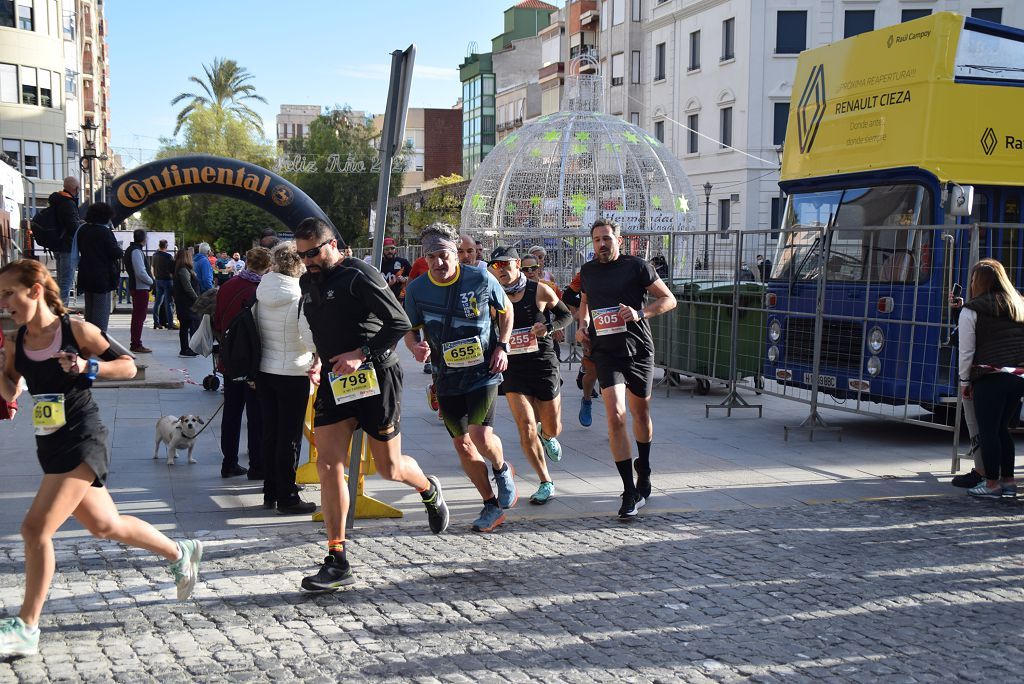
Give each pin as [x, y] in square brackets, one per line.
[177, 433]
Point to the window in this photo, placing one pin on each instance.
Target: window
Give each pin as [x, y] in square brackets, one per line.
[779, 123]
[549, 50]
[694, 51]
[7, 13]
[604, 15]
[857, 22]
[724, 215]
[634, 70]
[47, 162]
[618, 66]
[29, 89]
[12, 148]
[8, 83]
[911, 14]
[69, 25]
[725, 134]
[634, 118]
[637, 10]
[45, 91]
[70, 82]
[659, 131]
[26, 15]
[31, 159]
[692, 122]
[659, 62]
[56, 89]
[993, 14]
[776, 218]
[58, 162]
[728, 39]
[618, 12]
[791, 33]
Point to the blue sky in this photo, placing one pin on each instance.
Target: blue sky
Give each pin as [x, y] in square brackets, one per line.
[322, 52]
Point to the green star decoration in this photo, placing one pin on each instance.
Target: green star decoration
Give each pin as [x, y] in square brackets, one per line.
[535, 152]
[510, 208]
[612, 147]
[578, 204]
[479, 203]
[656, 202]
[583, 136]
[511, 140]
[652, 141]
[553, 136]
[535, 200]
[631, 137]
[579, 149]
[682, 205]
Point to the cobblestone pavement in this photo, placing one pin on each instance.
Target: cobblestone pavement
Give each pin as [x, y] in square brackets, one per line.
[911, 590]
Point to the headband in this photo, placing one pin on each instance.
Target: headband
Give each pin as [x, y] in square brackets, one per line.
[438, 243]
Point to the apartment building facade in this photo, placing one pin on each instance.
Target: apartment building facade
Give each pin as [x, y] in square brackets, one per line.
[54, 79]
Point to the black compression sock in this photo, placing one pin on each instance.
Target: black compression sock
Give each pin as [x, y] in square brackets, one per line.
[493, 501]
[502, 469]
[643, 458]
[625, 469]
[429, 493]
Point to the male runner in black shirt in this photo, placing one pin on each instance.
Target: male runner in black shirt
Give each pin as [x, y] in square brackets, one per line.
[612, 320]
[356, 321]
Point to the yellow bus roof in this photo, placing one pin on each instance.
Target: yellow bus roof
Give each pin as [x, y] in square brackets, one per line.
[888, 99]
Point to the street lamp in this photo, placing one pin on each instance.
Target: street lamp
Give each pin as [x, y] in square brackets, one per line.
[782, 209]
[89, 155]
[707, 216]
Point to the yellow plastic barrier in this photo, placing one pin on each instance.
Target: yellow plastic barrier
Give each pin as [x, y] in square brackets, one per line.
[366, 507]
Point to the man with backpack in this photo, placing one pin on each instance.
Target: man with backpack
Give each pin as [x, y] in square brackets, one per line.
[233, 298]
[54, 228]
[140, 280]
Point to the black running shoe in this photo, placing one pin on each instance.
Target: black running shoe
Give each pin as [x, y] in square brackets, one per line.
[643, 487]
[332, 575]
[968, 480]
[437, 509]
[631, 505]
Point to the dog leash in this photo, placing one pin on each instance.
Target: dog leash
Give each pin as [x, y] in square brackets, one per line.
[209, 421]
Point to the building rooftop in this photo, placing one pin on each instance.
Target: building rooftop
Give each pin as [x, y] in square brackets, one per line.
[535, 4]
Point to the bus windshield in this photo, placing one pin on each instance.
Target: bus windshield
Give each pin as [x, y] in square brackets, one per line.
[854, 253]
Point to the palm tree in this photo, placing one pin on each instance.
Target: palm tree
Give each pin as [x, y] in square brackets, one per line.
[224, 89]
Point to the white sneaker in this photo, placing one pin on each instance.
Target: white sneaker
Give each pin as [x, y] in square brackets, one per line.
[16, 639]
[185, 570]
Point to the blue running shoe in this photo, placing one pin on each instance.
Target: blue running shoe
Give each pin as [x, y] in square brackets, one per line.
[489, 519]
[551, 446]
[585, 417]
[508, 495]
[543, 493]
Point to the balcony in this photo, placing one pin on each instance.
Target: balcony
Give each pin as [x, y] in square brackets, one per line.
[550, 72]
[589, 17]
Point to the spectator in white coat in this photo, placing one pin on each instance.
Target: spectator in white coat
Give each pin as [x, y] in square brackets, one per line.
[283, 382]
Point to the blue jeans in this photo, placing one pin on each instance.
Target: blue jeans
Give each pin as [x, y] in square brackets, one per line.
[163, 307]
[65, 275]
[122, 290]
[97, 309]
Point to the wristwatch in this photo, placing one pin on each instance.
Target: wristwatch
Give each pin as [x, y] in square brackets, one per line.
[92, 369]
[504, 346]
[640, 315]
[367, 352]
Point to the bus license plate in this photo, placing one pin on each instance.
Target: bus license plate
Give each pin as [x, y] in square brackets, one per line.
[826, 381]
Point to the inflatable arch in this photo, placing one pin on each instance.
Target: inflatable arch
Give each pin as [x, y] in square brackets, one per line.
[200, 174]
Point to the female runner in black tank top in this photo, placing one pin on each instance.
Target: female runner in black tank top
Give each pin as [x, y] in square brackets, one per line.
[70, 441]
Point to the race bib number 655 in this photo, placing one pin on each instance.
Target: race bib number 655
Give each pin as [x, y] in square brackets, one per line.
[463, 353]
[607, 321]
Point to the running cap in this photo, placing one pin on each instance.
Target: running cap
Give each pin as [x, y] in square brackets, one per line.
[502, 253]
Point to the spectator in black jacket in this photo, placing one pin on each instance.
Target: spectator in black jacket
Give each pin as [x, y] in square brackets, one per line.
[65, 205]
[163, 274]
[100, 264]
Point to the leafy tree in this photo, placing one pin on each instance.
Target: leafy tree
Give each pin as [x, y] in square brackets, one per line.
[441, 204]
[225, 89]
[340, 176]
[237, 224]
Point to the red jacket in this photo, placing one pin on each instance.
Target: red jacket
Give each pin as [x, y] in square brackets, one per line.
[231, 297]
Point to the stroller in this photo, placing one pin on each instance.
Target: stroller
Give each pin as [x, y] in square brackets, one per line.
[205, 306]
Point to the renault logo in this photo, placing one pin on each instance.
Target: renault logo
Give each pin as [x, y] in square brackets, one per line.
[988, 141]
[811, 108]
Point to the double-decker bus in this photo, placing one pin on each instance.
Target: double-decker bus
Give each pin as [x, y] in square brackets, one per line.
[903, 163]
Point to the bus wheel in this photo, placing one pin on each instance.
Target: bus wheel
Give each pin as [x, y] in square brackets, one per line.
[703, 386]
[758, 384]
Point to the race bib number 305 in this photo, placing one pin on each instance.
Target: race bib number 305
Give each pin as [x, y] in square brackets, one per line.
[463, 353]
[607, 321]
[359, 385]
[523, 341]
[48, 414]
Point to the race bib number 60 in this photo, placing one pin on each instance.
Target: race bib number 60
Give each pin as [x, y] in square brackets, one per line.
[607, 321]
[463, 353]
[359, 385]
[523, 341]
[48, 414]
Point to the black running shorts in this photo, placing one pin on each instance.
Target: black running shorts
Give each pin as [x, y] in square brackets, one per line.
[379, 416]
[541, 382]
[476, 407]
[637, 374]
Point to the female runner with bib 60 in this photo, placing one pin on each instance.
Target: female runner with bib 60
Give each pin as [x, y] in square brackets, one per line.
[59, 358]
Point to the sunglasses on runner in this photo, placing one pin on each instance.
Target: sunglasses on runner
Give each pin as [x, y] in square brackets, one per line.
[311, 253]
[530, 269]
[503, 265]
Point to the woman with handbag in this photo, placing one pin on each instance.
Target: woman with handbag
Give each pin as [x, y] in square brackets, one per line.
[185, 292]
[992, 371]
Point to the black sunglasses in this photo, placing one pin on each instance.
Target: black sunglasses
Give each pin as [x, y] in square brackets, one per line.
[531, 268]
[310, 253]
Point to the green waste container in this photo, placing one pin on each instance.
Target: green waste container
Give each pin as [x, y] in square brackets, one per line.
[711, 305]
